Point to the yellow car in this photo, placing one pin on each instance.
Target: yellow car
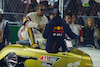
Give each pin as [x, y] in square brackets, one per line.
[22, 55]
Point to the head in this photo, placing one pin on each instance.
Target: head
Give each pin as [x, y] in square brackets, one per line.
[1, 14]
[90, 22]
[74, 18]
[40, 9]
[52, 16]
[68, 18]
[53, 13]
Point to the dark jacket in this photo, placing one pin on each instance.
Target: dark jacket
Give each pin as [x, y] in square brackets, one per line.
[88, 35]
[55, 33]
[6, 34]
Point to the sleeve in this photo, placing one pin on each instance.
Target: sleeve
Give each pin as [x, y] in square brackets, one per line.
[46, 31]
[45, 20]
[70, 33]
[7, 32]
[83, 32]
[31, 25]
[28, 23]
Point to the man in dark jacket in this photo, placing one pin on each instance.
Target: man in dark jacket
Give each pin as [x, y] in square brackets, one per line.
[55, 31]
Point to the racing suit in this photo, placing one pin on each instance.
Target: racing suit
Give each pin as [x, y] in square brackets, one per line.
[32, 21]
[54, 32]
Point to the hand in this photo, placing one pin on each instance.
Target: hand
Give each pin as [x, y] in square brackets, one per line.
[40, 26]
[81, 39]
[7, 44]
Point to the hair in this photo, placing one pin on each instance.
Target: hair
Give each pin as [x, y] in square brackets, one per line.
[37, 7]
[96, 30]
[75, 14]
[86, 23]
[68, 14]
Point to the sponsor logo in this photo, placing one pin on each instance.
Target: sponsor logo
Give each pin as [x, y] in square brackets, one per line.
[75, 64]
[53, 59]
[57, 34]
[49, 58]
[58, 28]
[47, 64]
[45, 58]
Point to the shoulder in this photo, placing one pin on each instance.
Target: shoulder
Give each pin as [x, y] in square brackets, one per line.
[5, 22]
[30, 14]
[50, 23]
[44, 17]
[65, 24]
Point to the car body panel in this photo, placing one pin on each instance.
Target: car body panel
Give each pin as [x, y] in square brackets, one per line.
[70, 58]
[86, 61]
[54, 59]
[94, 55]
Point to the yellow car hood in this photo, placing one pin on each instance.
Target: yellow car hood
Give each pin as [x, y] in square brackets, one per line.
[93, 53]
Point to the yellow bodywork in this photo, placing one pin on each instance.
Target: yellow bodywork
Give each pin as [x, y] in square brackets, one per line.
[71, 58]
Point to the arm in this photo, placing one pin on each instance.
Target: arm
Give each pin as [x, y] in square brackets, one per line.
[28, 23]
[70, 33]
[46, 31]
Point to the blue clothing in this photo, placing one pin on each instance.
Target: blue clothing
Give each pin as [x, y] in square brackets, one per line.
[55, 33]
[88, 34]
[6, 35]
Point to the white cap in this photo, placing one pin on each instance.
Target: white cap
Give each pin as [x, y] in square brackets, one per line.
[1, 11]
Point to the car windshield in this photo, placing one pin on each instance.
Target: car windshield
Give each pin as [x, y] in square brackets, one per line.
[76, 43]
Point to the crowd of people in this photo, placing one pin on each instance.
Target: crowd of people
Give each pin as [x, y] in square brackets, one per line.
[57, 29]
[49, 32]
[19, 6]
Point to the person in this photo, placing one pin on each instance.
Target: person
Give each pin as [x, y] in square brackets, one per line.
[71, 19]
[4, 31]
[90, 32]
[76, 28]
[68, 18]
[55, 31]
[36, 22]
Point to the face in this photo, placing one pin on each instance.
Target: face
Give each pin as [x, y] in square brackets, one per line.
[90, 22]
[74, 19]
[51, 16]
[41, 10]
[68, 19]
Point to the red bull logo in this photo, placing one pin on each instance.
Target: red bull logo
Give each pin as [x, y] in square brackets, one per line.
[58, 28]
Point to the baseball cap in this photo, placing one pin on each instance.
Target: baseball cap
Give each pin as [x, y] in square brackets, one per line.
[1, 11]
[54, 11]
